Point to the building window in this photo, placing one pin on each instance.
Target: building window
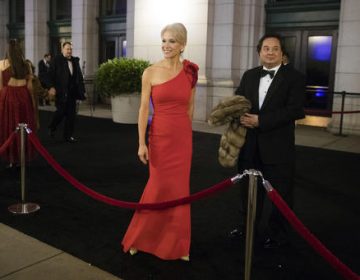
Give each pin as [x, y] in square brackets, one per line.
[17, 11]
[113, 7]
[60, 9]
[111, 47]
[318, 66]
[16, 24]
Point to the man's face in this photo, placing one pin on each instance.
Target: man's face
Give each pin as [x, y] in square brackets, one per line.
[270, 53]
[67, 51]
[48, 58]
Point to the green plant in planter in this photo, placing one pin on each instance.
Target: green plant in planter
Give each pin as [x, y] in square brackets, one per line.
[120, 76]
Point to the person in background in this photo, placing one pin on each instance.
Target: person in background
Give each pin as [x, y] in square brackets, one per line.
[37, 92]
[66, 83]
[44, 67]
[170, 83]
[16, 104]
[277, 94]
[285, 58]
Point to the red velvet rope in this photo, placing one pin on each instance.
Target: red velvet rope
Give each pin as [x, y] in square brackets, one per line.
[339, 266]
[123, 204]
[7, 142]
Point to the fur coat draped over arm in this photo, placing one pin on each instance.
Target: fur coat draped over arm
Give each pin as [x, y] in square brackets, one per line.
[229, 111]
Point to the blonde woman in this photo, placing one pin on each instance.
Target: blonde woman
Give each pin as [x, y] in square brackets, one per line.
[170, 83]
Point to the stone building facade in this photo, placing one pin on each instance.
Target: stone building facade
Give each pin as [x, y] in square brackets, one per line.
[222, 38]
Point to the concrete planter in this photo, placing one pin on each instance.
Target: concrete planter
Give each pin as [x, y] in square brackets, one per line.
[125, 108]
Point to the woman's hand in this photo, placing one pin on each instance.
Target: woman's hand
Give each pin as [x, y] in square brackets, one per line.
[143, 154]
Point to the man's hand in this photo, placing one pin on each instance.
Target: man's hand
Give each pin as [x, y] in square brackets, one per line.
[249, 120]
[52, 92]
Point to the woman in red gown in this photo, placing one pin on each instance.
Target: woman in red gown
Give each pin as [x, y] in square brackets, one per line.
[170, 83]
[16, 104]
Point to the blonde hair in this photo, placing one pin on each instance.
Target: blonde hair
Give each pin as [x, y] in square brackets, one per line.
[178, 30]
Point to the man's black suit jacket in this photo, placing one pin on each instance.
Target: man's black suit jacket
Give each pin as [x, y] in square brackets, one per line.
[66, 85]
[43, 72]
[274, 139]
[42, 67]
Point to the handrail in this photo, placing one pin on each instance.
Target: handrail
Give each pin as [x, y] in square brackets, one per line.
[342, 111]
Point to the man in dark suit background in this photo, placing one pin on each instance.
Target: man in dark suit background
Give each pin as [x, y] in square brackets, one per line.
[43, 67]
[277, 94]
[66, 83]
[43, 70]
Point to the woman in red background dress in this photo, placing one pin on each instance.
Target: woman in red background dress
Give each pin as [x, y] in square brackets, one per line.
[171, 85]
[16, 104]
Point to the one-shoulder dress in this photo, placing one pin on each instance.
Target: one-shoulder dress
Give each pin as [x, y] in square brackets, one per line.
[15, 107]
[166, 233]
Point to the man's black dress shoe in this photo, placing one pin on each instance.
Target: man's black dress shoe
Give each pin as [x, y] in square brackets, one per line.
[271, 244]
[71, 140]
[51, 133]
[237, 233]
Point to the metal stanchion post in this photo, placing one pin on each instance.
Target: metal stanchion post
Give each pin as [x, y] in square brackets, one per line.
[23, 207]
[251, 214]
[343, 94]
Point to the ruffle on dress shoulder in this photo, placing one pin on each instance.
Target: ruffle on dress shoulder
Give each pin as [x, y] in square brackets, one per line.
[191, 69]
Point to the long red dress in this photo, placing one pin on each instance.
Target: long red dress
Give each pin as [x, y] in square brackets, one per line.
[166, 233]
[15, 107]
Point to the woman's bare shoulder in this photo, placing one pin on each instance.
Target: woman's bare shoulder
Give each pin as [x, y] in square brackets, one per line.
[153, 69]
[155, 66]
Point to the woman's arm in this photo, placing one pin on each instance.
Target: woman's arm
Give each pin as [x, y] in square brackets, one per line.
[3, 64]
[143, 116]
[29, 78]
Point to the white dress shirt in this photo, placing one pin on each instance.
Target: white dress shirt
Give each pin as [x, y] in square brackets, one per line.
[70, 67]
[265, 83]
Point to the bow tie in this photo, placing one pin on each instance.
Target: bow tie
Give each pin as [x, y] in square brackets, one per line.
[264, 72]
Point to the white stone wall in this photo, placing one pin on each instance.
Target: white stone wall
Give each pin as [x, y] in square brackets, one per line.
[85, 33]
[36, 30]
[144, 39]
[222, 36]
[151, 16]
[347, 76]
[130, 19]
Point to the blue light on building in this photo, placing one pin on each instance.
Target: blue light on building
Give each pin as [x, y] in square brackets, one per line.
[320, 92]
[320, 48]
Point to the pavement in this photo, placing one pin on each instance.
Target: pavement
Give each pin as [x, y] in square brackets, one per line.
[25, 258]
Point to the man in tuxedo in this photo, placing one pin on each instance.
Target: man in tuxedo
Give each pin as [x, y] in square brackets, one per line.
[277, 94]
[43, 68]
[66, 83]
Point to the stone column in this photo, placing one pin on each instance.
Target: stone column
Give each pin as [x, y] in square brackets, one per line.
[85, 34]
[4, 19]
[130, 19]
[85, 40]
[347, 74]
[235, 27]
[36, 30]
